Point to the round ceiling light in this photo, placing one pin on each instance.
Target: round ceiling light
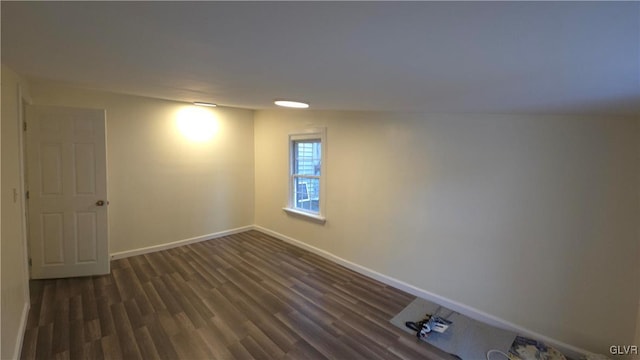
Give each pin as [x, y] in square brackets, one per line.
[292, 104]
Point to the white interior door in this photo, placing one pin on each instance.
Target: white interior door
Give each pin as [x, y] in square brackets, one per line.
[67, 184]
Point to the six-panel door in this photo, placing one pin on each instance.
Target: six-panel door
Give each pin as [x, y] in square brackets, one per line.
[67, 179]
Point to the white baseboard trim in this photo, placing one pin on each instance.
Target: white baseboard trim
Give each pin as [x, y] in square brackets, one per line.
[150, 249]
[21, 329]
[572, 351]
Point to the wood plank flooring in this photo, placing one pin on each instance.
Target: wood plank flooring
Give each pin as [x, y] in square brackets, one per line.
[244, 296]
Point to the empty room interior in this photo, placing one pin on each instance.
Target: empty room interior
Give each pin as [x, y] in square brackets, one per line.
[455, 180]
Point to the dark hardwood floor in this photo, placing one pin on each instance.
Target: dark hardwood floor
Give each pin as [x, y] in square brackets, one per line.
[244, 296]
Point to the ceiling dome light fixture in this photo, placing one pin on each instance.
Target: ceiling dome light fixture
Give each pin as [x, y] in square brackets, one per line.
[292, 104]
[201, 103]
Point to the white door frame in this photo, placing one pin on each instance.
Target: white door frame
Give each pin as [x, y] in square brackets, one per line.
[22, 102]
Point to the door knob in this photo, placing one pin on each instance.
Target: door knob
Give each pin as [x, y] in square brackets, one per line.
[100, 203]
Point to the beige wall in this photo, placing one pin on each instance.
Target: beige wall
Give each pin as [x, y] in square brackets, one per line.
[532, 219]
[163, 187]
[14, 279]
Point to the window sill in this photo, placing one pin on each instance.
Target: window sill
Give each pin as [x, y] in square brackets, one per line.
[313, 217]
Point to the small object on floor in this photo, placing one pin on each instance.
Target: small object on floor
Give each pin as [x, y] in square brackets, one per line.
[528, 349]
[438, 324]
[421, 327]
[415, 326]
[430, 323]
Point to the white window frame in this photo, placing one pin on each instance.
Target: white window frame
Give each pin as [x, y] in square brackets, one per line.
[308, 134]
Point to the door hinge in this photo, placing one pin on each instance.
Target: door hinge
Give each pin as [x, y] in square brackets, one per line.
[27, 195]
[24, 126]
[30, 262]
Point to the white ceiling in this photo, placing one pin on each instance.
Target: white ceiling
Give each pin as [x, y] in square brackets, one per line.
[485, 57]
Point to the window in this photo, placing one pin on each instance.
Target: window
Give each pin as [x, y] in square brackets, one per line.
[306, 185]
